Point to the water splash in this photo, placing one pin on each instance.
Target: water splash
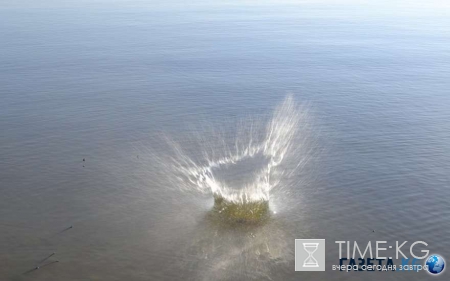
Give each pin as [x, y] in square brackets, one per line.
[245, 165]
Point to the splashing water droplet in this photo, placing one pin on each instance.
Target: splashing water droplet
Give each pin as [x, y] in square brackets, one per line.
[246, 167]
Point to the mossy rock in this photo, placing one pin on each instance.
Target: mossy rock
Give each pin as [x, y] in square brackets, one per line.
[242, 212]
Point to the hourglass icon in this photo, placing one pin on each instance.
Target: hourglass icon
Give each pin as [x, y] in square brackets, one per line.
[310, 260]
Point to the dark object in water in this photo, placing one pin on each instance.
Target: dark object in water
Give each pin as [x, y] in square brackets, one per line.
[241, 212]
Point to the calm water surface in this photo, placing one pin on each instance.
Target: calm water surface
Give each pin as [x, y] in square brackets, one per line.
[103, 81]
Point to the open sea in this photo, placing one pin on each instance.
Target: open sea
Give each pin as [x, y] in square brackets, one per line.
[95, 97]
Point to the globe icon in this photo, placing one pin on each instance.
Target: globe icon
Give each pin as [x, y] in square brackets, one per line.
[435, 264]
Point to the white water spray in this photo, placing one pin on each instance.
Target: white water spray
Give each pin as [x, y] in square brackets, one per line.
[246, 167]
